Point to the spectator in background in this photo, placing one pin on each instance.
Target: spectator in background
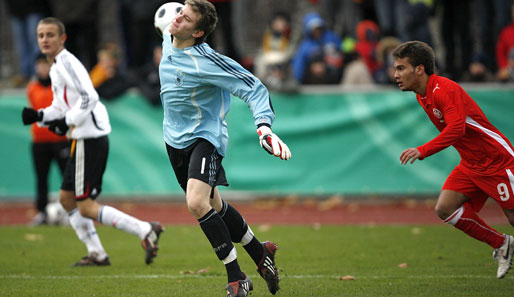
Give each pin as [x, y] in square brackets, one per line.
[510, 67]
[137, 17]
[492, 17]
[418, 17]
[317, 72]
[477, 70]
[46, 146]
[106, 76]
[367, 40]
[80, 18]
[391, 15]
[318, 47]
[228, 48]
[385, 71]
[148, 79]
[456, 36]
[503, 47]
[272, 63]
[342, 15]
[25, 15]
[355, 71]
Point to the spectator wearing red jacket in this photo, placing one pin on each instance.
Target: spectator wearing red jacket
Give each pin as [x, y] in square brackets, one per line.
[368, 35]
[503, 46]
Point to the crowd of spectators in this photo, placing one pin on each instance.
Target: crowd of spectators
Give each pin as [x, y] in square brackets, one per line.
[299, 42]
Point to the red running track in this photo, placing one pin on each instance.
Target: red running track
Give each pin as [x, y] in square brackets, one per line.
[331, 211]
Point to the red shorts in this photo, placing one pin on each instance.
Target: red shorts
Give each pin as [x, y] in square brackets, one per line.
[499, 186]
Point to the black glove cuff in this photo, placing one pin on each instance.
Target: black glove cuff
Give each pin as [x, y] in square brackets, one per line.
[263, 124]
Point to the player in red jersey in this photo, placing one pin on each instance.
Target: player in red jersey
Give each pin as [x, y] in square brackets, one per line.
[487, 156]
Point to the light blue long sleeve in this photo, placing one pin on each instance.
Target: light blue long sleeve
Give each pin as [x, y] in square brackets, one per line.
[196, 84]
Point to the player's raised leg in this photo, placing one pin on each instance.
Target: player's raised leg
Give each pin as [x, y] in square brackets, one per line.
[148, 232]
[455, 209]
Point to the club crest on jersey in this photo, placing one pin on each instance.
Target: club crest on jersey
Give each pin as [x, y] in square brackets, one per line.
[437, 113]
[180, 78]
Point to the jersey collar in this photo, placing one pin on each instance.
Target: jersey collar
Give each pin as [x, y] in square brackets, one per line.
[427, 98]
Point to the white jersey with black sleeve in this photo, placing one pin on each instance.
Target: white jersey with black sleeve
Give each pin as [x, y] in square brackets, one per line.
[76, 99]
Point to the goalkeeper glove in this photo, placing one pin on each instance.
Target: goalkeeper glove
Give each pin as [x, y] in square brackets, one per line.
[30, 116]
[272, 144]
[59, 126]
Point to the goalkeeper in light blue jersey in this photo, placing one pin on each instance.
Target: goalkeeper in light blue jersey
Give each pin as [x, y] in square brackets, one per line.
[196, 84]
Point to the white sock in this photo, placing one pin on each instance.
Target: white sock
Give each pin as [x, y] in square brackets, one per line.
[111, 216]
[247, 237]
[231, 256]
[86, 232]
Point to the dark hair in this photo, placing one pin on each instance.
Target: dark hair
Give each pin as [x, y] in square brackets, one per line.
[280, 14]
[419, 53]
[208, 17]
[55, 21]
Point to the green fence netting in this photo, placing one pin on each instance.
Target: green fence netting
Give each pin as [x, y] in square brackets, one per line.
[342, 143]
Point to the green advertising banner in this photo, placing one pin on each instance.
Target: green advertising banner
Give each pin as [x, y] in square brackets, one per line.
[342, 143]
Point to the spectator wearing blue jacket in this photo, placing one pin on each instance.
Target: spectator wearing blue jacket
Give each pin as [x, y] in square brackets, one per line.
[318, 42]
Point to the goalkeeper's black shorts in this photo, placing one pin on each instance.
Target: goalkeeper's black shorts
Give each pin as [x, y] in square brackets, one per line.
[200, 161]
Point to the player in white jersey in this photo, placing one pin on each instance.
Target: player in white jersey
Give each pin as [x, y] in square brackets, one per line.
[77, 113]
[196, 84]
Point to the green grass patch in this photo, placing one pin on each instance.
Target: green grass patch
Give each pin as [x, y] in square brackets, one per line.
[440, 261]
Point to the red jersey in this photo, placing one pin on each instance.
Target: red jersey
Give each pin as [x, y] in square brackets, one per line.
[482, 148]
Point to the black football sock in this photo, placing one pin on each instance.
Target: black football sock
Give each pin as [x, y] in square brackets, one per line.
[216, 231]
[233, 271]
[241, 232]
[254, 249]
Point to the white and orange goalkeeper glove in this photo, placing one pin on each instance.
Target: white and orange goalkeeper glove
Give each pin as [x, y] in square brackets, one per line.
[270, 142]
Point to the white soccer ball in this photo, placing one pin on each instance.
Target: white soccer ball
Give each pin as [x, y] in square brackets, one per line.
[56, 214]
[165, 14]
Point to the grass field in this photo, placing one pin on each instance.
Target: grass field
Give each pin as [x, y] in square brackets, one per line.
[439, 260]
